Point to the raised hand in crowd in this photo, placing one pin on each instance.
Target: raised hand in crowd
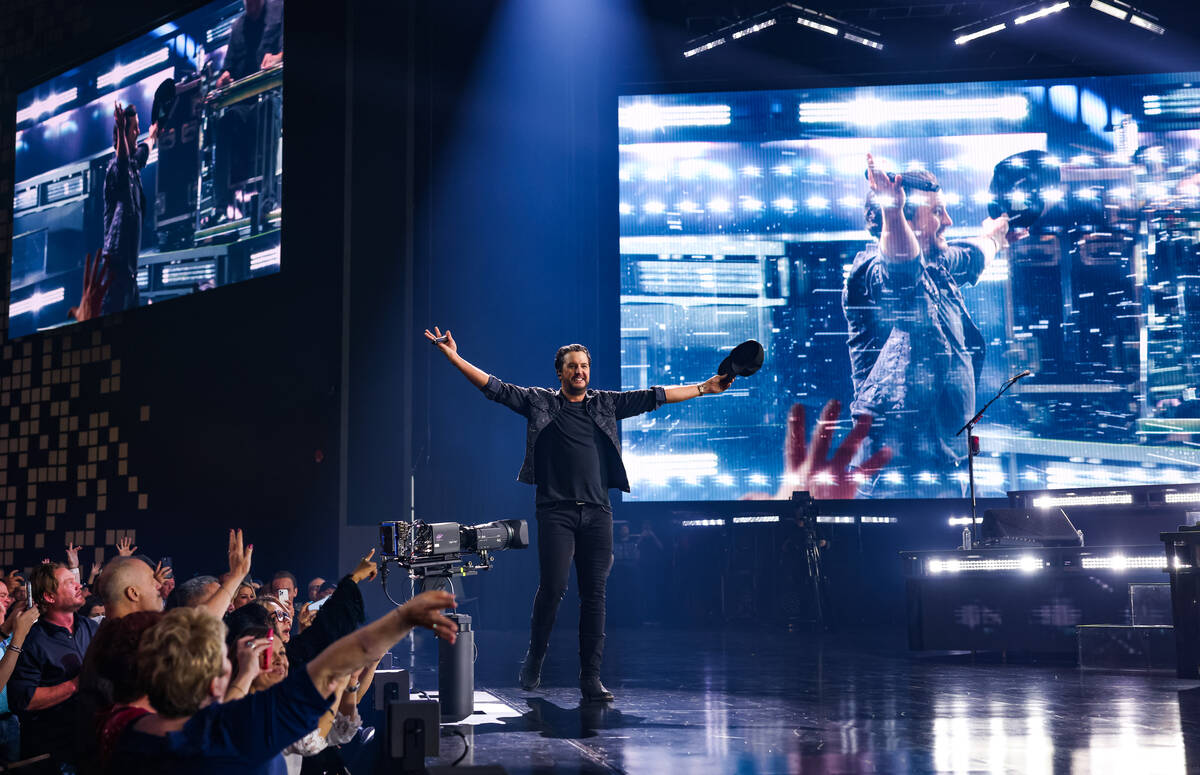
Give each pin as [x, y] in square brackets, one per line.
[125, 547]
[14, 581]
[97, 568]
[366, 569]
[22, 622]
[249, 663]
[72, 556]
[305, 618]
[240, 556]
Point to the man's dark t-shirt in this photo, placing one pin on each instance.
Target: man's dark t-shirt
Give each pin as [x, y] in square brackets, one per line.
[567, 459]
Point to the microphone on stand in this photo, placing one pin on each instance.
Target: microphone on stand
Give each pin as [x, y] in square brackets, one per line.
[1026, 373]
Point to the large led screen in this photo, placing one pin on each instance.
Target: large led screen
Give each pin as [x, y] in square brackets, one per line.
[150, 172]
[743, 216]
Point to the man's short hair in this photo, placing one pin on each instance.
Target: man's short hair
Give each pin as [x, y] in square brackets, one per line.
[561, 356]
[285, 574]
[44, 582]
[178, 658]
[191, 592]
[115, 578]
[921, 181]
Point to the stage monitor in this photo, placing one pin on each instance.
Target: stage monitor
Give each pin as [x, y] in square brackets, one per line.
[152, 171]
[745, 215]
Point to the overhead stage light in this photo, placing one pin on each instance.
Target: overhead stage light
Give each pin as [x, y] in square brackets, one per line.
[1146, 24]
[961, 39]
[1111, 10]
[850, 36]
[705, 47]
[1041, 12]
[782, 16]
[753, 29]
[826, 28]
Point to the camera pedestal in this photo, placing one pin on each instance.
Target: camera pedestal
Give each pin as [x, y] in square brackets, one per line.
[456, 671]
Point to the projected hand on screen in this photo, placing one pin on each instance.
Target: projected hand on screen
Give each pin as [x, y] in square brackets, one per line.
[96, 278]
[809, 467]
[889, 188]
[270, 60]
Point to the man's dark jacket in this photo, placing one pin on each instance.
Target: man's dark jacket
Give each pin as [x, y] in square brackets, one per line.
[605, 407]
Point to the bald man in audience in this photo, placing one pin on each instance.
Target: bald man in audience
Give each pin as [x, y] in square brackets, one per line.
[128, 585]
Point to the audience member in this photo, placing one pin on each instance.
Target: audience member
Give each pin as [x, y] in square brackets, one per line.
[245, 595]
[281, 620]
[11, 646]
[93, 608]
[184, 664]
[110, 694]
[196, 591]
[314, 589]
[128, 585]
[166, 588]
[284, 580]
[43, 685]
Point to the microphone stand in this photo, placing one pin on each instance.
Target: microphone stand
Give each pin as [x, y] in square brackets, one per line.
[973, 448]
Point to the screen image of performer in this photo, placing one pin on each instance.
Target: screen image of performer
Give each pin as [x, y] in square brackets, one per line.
[124, 207]
[915, 352]
[572, 457]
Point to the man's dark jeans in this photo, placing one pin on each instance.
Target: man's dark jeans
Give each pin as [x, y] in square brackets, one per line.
[585, 532]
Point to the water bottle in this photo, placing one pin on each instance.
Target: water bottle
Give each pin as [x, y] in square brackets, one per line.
[966, 544]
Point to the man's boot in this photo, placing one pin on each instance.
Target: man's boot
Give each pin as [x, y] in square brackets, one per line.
[531, 671]
[593, 690]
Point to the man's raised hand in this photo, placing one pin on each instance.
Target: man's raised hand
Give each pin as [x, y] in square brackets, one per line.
[448, 344]
[125, 547]
[96, 280]
[889, 189]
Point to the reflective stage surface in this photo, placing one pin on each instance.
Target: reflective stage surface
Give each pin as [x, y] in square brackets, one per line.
[773, 702]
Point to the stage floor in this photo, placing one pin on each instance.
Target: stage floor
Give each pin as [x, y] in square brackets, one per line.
[755, 702]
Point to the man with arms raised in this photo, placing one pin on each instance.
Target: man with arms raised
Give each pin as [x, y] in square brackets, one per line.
[915, 352]
[573, 457]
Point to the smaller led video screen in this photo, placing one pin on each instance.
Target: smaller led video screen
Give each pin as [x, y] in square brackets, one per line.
[152, 171]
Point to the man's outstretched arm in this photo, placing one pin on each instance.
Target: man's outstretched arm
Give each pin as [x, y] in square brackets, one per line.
[476, 376]
[711, 386]
[515, 398]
